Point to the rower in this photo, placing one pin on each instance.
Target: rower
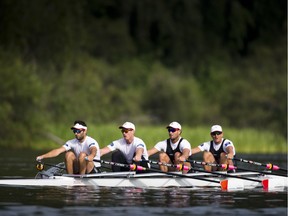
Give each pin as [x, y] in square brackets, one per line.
[218, 150]
[175, 149]
[79, 152]
[128, 149]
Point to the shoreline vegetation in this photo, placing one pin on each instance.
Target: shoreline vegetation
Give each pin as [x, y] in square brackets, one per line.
[195, 62]
[245, 140]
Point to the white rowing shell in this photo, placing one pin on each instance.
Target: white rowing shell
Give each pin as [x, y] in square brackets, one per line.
[156, 180]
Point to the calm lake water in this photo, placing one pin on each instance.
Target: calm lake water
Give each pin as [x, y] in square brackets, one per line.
[130, 201]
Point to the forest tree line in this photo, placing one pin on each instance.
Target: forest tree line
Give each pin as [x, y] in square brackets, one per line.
[198, 62]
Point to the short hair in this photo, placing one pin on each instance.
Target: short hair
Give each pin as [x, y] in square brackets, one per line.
[80, 122]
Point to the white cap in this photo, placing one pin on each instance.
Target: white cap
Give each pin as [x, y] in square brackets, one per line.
[216, 128]
[79, 126]
[128, 125]
[175, 125]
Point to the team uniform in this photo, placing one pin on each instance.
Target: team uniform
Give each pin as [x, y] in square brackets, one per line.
[78, 147]
[129, 150]
[215, 149]
[171, 148]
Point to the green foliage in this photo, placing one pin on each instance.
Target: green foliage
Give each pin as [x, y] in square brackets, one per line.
[173, 97]
[196, 62]
[21, 105]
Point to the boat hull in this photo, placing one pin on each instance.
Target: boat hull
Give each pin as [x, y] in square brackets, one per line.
[155, 180]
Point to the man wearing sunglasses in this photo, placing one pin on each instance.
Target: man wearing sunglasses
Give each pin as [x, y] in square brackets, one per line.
[217, 150]
[175, 149]
[128, 149]
[80, 152]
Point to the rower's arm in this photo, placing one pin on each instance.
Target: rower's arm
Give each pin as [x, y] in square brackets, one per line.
[195, 150]
[52, 153]
[93, 151]
[230, 154]
[185, 154]
[138, 154]
[104, 151]
[152, 151]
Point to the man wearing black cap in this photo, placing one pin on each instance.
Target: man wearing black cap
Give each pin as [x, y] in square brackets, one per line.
[80, 151]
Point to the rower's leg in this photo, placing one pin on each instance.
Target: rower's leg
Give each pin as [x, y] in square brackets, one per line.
[163, 158]
[118, 157]
[224, 160]
[71, 162]
[177, 155]
[208, 158]
[84, 166]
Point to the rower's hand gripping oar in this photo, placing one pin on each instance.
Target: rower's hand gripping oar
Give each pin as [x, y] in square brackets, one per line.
[268, 166]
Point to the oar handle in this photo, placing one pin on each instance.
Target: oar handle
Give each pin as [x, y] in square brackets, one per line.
[227, 175]
[226, 166]
[272, 167]
[40, 165]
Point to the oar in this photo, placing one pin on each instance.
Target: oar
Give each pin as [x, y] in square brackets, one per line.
[263, 172]
[223, 183]
[223, 166]
[265, 182]
[179, 167]
[269, 166]
[134, 167]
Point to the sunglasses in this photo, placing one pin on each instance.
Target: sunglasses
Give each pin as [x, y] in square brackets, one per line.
[216, 133]
[77, 131]
[126, 130]
[172, 130]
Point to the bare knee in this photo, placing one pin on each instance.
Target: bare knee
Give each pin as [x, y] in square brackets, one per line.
[82, 156]
[208, 157]
[70, 155]
[163, 157]
[177, 155]
[223, 158]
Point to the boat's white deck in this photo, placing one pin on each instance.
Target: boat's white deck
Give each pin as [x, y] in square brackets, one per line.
[155, 180]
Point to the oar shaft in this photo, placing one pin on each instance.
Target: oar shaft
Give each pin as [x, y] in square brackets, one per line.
[226, 175]
[263, 172]
[136, 167]
[130, 166]
[223, 166]
[177, 166]
[269, 166]
[184, 176]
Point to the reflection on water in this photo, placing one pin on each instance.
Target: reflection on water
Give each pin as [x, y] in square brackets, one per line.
[164, 200]
[128, 201]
